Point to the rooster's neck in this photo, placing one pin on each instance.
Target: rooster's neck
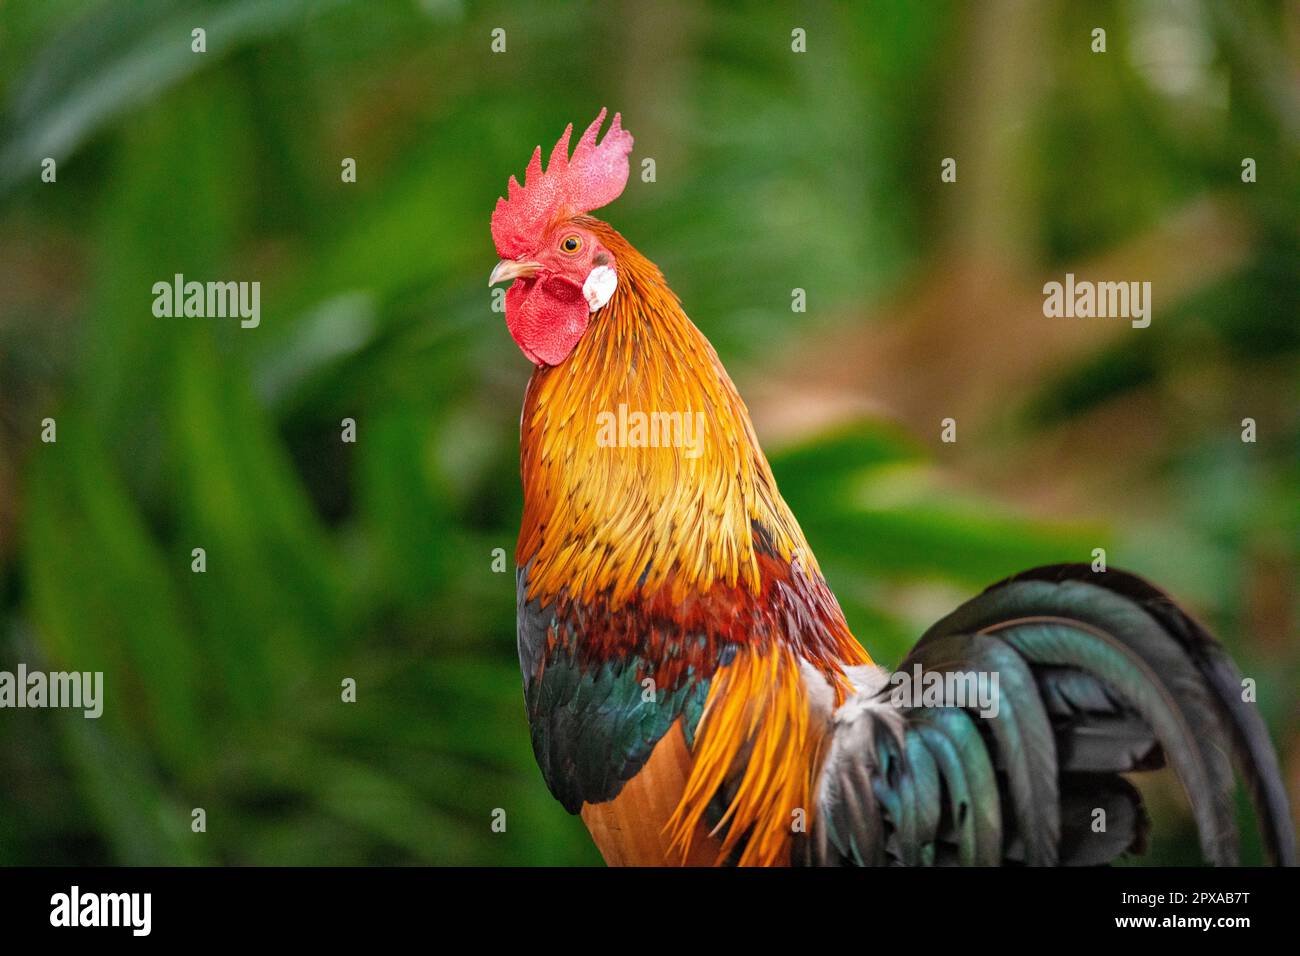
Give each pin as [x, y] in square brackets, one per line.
[641, 469]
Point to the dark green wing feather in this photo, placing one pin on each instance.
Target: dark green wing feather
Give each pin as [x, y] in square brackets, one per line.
[593, 724]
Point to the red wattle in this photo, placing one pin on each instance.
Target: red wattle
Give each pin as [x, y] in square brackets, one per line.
[546, 317]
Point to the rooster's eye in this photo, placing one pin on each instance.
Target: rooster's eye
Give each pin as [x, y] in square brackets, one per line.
[571, 244]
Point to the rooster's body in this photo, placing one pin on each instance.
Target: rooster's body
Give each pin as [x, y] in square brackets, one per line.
[691, 685]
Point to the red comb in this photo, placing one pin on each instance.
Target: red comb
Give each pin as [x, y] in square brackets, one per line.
[593, 177]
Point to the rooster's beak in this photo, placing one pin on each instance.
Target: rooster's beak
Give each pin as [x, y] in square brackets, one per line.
[509, 270]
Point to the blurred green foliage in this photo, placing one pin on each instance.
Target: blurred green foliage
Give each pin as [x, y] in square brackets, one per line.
[372, 560]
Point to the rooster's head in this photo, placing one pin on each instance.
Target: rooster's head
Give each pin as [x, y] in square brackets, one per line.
[561, 271]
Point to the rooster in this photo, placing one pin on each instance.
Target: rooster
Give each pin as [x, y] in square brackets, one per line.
[692, 688]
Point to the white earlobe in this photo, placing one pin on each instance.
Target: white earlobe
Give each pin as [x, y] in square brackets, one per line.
[600, 285]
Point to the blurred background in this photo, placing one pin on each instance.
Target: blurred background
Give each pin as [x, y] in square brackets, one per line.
[774, 171]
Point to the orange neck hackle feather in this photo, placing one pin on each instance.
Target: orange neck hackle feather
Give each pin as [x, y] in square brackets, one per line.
[608, 526]
[596, 517]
